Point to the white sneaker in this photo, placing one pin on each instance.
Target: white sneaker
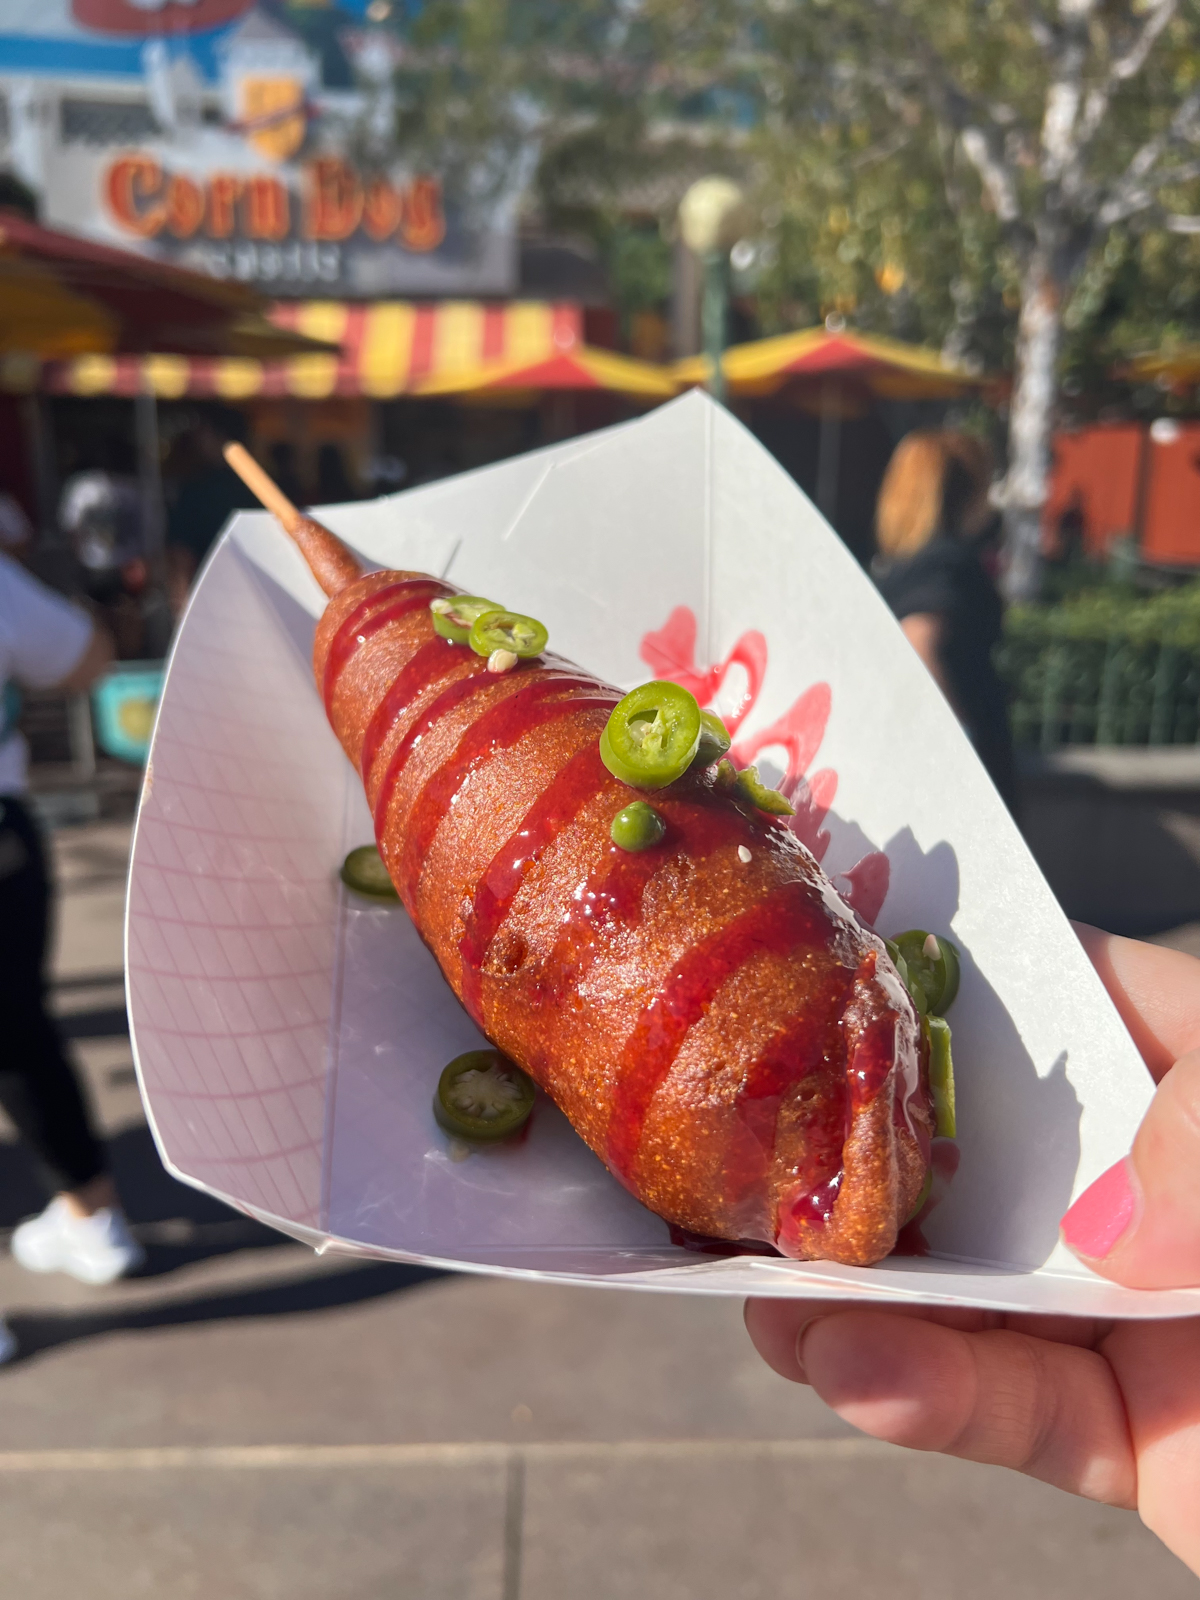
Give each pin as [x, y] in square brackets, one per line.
[8, 1342]
[98, 1249]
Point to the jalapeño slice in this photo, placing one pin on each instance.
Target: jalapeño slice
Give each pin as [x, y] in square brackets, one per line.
[364, 872]
[931, 964]
[652, 735]
[454, 614]
[941, 1076]
[482, 1097]
[507, 630]
[752, 788]
[915, 991]
[714, 739]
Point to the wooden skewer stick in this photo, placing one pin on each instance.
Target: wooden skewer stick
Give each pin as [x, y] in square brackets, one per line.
[330, 562]
[261, 483]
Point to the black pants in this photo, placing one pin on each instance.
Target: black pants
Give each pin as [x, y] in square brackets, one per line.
[38, 1088]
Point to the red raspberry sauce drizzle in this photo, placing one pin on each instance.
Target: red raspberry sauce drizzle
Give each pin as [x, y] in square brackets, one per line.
[408, 594]
[495, 729]
[475, 681]
[612, 896]
[579, 781]
[811, 1201]
[876, 1054]
[432, 661]
[795, 1053]
[814, 1206]
[873, 1059]
[789, 916]
[478, 678]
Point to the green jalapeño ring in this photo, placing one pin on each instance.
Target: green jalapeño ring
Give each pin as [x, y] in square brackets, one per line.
[364, 872]
[652, 735]
[508, 630]
[930, 962]
[453, 615]
[483, 1097]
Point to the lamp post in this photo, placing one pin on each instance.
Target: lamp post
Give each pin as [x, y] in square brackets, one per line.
[713, 215]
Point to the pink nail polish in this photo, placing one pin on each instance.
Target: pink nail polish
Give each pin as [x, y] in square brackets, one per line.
[1102, 1213]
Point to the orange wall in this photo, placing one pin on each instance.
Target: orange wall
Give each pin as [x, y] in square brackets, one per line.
[1171, 528]
[1095, 471]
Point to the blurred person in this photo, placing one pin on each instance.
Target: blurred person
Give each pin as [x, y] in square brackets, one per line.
[101, 514]
[931, 523]
[206, 494]
[16, 530]
[46, 643]
[285, 471]
[333, 481]
[438, 464]
[385, 474]
[1066, 565]
[1104, 1409]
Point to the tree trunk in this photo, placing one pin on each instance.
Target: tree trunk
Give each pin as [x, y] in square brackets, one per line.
[1039, 336]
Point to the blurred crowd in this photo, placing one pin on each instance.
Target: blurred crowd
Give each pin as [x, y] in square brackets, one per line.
[131, 551]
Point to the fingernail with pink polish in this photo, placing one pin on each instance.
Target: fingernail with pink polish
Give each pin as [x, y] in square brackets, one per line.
[1102, 1214]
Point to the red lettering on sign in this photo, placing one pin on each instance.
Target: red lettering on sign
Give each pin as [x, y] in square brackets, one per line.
[268, 212]
[424, 225]
[382, 209]
[129, 183]
[185, 207]
[335, 199]
[223, 192]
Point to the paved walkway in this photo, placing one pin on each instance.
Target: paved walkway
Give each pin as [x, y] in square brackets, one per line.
[250, 1422]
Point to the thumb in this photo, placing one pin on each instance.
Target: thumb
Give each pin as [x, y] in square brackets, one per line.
[1139, 1223]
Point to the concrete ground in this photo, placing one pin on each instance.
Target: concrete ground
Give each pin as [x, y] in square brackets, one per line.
[249, 1422]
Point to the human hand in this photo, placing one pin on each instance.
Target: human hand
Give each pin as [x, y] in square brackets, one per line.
[1108, 1410]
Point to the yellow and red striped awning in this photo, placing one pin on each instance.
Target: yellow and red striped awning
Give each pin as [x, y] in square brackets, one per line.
[388, 348]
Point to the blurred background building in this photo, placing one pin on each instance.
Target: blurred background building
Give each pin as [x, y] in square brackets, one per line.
[474, 212]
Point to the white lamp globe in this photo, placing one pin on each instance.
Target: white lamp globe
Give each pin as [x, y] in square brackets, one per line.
[713, 215]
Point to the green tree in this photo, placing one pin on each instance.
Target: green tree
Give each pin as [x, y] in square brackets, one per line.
[974, 159]
[1011, 178]
[570, 112]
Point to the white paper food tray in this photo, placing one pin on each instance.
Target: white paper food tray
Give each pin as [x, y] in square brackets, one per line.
[288, 1037]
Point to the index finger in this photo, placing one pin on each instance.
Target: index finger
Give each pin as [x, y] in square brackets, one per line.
[775, 1326]
[1156, 991]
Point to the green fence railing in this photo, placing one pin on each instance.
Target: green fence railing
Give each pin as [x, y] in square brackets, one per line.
[1104, 667]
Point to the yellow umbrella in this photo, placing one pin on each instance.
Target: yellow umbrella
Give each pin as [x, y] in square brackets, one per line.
[888, 368]
[1178, 366]
[835, 376]
[577, 368]
[41, 318]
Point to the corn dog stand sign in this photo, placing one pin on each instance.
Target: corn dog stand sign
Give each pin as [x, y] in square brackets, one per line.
[288, 1035]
